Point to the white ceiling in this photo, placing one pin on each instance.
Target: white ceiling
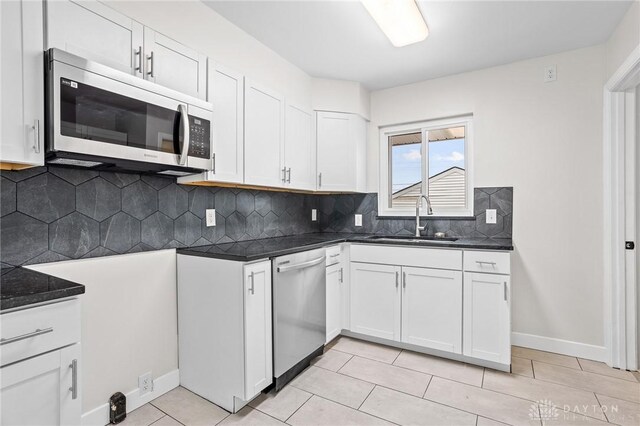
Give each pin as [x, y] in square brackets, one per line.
[340, 40]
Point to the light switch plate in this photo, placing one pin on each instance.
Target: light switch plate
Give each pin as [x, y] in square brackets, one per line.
[491, 215]
[211, 217]
[358, 220]
[314, 215]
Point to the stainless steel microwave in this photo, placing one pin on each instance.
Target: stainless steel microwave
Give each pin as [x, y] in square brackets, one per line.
[105, 119]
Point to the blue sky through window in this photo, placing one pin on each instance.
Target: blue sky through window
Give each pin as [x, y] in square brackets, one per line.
[406, 163]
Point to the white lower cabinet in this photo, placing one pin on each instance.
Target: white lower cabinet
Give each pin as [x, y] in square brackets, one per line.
[224, 329]
[375, 300]
[257, 328]
[439, 303]
[487, 318]
[420, 306]
[42, 390]
[432, 308]
[40, 369]
[335, 280]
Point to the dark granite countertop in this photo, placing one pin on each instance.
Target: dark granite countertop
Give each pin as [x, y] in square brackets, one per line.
[22, 286]
[250, 250]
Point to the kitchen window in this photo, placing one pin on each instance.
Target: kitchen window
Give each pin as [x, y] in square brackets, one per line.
[432, 158]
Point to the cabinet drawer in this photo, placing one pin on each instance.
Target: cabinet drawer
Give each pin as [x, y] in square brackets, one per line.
[33, 331]
[487, 261]
[333, 255]
[421, 257]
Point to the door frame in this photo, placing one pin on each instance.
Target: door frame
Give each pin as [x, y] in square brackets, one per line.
[620, 307]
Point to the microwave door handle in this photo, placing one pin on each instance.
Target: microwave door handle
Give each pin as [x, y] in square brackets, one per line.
[186, 140]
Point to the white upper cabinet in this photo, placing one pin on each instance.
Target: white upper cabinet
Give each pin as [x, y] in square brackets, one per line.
[174, 65]
[91, 30]
[341, 148]
[226, 93]
[299, 149]
[432, 308]
[375, 300]
[21, 84]
[94, 31]
[487, 320]
[263, 136]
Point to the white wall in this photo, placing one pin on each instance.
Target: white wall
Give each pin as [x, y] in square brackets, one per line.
[129, 320]
[545, 140]
[624, 39]
[341, 96]
[194, 24]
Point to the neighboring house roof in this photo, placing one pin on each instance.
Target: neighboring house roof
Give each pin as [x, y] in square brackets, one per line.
[446, 190]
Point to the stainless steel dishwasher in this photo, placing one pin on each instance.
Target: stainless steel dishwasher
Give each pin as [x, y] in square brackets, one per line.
[299, 316]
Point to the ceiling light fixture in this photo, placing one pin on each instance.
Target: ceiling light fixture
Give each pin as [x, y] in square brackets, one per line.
[400, 20]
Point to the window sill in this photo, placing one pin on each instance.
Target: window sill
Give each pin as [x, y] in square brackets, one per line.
[428, 217]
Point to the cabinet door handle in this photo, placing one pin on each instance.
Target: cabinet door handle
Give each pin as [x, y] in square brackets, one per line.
[74, 379]
[289, 175]
[341, 275]
[253, 280]
[505, 291]
[150, 58]
[404, 280]
[482, 262]
[213, 163]
[397, 278]
[319, 180]
[36, 136]
[138, 54]
[284, 175]
[38, 332]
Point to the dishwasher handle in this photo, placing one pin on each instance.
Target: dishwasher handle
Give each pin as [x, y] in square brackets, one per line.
[302, 265]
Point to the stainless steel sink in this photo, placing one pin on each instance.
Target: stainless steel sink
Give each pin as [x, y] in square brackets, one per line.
[415, 240]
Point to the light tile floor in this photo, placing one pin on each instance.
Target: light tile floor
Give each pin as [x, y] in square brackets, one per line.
[360, 383]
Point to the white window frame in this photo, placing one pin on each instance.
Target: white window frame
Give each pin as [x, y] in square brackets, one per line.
[424, 127]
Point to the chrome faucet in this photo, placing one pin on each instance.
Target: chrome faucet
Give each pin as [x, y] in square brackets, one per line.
[429, 212]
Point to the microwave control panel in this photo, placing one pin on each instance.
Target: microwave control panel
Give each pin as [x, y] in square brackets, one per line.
[200, 135]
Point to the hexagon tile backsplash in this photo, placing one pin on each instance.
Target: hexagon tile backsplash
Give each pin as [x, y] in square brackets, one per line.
[51, 213]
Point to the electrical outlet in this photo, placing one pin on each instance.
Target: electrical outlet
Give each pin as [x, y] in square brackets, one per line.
[358, 220]
[314, 215]
[211, 217]
[550, 74]
[145, 383]
[491, 215]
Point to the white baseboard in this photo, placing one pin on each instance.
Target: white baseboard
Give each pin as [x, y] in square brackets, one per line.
[559, 346]
[99, 416]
